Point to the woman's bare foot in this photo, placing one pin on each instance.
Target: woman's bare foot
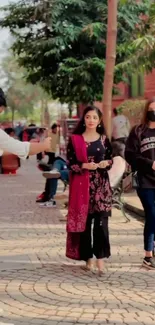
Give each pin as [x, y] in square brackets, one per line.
[100, 266]
[89, 265]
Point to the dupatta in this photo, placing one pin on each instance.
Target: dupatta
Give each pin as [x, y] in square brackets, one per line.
[79, 190]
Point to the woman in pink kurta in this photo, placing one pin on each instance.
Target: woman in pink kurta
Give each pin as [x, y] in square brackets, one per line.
[89, 158]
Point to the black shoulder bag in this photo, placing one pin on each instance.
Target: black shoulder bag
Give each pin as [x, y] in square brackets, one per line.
[135, 181]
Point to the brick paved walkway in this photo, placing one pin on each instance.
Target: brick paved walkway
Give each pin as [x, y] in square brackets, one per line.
[133, 203]
[38, 285]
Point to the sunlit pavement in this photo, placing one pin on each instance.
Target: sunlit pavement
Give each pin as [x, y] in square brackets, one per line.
[39, 285]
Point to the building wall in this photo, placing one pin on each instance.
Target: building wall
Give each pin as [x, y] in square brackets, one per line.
[150, 85]
[117, 100]
[149, 92]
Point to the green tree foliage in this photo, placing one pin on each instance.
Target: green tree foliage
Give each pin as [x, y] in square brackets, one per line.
[62, 43]
[21, 96]
[141, 54]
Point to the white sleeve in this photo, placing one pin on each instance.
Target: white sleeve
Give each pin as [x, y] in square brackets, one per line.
[9, 144]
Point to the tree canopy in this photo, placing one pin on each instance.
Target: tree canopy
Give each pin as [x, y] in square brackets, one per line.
[21, 96]
[142, 48]
[62, 43]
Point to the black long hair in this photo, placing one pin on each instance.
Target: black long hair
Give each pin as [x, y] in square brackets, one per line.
[80, 128]
[2, 98]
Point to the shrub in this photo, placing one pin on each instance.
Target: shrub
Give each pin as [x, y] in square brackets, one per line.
[133, 109]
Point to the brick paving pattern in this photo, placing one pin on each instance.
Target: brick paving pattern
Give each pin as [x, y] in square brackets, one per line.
[38, 285]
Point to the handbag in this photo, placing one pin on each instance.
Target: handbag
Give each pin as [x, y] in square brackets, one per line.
[135, 181]
[117, 170]
[130, 181]
[10, 162]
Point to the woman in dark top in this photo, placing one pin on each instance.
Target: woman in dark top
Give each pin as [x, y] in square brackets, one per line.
[89, 157]
[140, 154]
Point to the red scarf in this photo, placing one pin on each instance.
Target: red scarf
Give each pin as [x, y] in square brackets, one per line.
[79, 190]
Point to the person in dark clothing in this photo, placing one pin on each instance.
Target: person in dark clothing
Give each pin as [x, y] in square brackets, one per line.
[89, 156]
[59, 171]
[10, 132]
[140, 154]
[32, 124]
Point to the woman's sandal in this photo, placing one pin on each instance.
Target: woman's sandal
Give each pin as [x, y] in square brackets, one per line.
[100, 267]
[89, 266]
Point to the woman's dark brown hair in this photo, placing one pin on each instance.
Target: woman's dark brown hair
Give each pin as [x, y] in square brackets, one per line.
[145, 120]
[80, 128]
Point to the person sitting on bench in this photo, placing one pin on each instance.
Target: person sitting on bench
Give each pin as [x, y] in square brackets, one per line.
[59, 171]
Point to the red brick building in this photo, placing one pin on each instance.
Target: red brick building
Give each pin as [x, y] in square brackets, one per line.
[150, 85]
[125, 92]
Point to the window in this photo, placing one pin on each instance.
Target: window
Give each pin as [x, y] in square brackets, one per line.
[136, 85]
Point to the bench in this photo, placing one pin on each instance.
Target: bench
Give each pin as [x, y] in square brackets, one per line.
[117, 201]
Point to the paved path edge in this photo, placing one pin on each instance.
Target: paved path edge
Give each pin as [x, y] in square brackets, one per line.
[132, 208]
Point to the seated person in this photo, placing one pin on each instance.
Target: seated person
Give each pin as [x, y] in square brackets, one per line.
[54, 134]
[59, 171]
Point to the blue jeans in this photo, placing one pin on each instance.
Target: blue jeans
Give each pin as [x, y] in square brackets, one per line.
[147, 197]
[52, 184]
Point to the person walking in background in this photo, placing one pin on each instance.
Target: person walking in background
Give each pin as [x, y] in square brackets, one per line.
[54, 143]
[140, 154]
[89, 157]
[38, 136]
[120, 127]
[18, 129]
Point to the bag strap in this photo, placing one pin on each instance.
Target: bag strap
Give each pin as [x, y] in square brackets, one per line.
[138, 132]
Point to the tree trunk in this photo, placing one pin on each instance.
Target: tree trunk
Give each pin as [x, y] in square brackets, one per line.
[42, 113]
[46, 115]
[70, 110]
[110, 64]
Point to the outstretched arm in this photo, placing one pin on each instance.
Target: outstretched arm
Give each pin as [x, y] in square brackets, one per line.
[21, 149]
